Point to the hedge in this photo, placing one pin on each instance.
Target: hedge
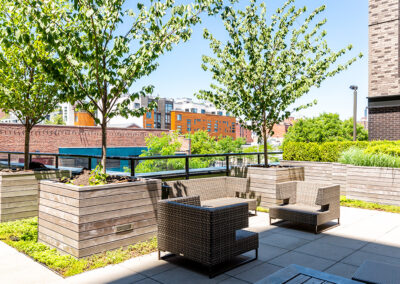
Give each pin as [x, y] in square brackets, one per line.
[330, 151]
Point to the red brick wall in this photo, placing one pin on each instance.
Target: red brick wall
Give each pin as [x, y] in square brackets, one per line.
[48, 138]
[383, 123]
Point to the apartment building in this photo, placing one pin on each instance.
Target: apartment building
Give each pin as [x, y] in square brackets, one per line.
[384, 70]
[216, 125]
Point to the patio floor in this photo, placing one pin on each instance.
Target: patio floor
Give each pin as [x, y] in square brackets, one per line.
[363, 234]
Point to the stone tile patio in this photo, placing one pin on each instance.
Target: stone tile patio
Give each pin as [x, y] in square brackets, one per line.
[363, 235]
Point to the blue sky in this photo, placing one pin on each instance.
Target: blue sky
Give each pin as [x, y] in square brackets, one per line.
[180, 73]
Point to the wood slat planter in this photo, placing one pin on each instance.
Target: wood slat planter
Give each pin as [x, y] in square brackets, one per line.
[263, 180]
[82, 221]
[19, 193]
[372, 184]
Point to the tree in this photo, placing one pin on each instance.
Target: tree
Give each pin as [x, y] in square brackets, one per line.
[104, 63]
[55, 120]
[267, 65]
[327, 127]
[26, 89]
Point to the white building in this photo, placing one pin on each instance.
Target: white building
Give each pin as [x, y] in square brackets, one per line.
[188, 105]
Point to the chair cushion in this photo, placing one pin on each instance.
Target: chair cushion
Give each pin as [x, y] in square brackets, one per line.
[243, 234]
[297, 208]
[229, 201]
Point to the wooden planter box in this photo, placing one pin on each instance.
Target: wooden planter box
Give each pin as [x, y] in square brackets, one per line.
[19, 193]
[82, 221]
[263, 180]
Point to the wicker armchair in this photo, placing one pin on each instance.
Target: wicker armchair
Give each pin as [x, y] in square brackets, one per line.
[215, 191]
[307, 203]
[206, 235]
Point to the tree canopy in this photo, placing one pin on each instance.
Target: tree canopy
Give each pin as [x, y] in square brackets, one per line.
[104, 63]
[268, 63]
[327, 127]
[26, 89]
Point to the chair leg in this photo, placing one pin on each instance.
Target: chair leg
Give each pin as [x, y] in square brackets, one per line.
[316, 229]
[159, 255]
[338, 221]
[255, 212]
[257, 253]
[270, 220]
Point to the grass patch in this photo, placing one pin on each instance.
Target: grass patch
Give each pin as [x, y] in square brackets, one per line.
[262, 209]
[22, 235]
[368, 205]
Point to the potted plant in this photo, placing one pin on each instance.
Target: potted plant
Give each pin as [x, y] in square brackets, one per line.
[263, 70]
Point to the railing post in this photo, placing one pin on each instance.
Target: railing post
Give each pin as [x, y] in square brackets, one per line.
[56, 162]
[227, 165]
[9, 160]
[258, 159]
[133, 166]
[187, 167]
[90, 164]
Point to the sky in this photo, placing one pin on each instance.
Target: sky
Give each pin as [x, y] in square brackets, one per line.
[180, 74]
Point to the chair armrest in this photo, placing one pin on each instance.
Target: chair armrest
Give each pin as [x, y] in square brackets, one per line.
[286, 191]
[237, 187]
[328, 195]
[188, 200]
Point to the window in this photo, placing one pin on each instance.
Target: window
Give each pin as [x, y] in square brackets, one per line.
[137, 105]
[167, 118]
[213, 112]
[186, 110]
[189, 125]
[194, 110]
[148, 125]
[228, 114]
[76, 118]
[203, 111]
[148, 115]
[157, 120]
[179, 117]
[168, 107]
[216, 127]
[233, 127]
[179, 128]
[219, 113]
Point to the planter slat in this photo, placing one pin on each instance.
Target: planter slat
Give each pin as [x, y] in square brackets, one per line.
[19, 193]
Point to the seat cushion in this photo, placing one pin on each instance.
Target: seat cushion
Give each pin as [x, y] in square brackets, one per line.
[229, 201]
[297, 213]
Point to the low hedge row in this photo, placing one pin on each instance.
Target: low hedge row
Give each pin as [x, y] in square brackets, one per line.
[330, 151]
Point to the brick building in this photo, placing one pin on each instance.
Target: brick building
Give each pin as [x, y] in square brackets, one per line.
[244, 133]
[384, 70]
[49, 138]
[216, 125]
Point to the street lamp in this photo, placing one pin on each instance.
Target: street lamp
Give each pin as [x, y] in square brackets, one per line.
[354, 88]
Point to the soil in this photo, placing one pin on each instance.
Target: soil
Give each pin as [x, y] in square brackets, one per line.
[83, 179]
[269, 166]
[11, 170]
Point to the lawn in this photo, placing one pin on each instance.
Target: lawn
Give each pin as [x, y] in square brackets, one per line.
[22, 235]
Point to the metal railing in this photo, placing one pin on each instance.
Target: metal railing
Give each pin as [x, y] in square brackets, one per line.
[134, 161]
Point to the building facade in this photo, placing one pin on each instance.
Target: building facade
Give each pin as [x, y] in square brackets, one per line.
[384, 70]
[245, 133]
[215, 125]
[159, 118]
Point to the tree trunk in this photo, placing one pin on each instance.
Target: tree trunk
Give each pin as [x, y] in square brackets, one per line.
[265, 138]
[26, 148]
[104, 144]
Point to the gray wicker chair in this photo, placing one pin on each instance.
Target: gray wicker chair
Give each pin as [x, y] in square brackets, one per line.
[215, 191]
[307, 203]
[209, 236]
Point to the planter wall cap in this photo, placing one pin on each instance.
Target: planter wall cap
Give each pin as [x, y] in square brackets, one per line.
[98, 187]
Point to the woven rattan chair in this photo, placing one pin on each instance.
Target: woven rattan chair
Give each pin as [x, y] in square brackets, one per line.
[307, 203]
[216, 191]
[209, 236]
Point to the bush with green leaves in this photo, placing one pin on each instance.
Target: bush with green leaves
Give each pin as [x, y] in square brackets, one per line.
[331, 151]
[358, 157]
[327, 127]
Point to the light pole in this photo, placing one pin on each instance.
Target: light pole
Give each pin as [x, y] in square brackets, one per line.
[354, 88]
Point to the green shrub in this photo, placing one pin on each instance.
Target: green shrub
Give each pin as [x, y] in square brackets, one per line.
[357, 157]
[368, 205]
[331, 151]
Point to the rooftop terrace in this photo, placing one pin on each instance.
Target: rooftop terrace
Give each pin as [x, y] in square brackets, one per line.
[363, 234]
